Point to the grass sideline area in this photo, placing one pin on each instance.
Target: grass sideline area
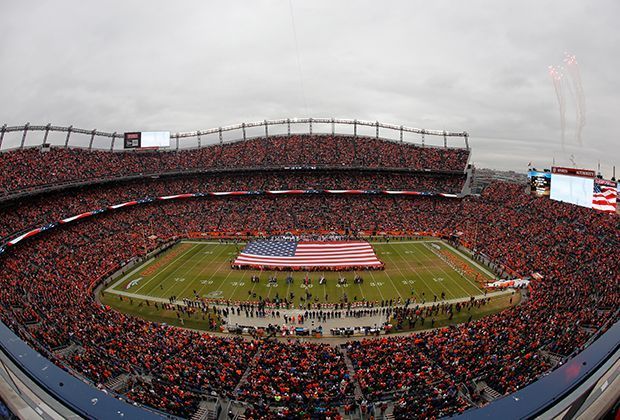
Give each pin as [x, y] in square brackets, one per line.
[420, 270]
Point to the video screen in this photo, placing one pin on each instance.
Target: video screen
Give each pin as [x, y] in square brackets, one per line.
[540, 183]
[572, 189]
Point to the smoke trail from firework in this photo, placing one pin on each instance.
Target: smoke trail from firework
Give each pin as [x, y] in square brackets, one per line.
[573, 99]
[556, 79]
[573, 69]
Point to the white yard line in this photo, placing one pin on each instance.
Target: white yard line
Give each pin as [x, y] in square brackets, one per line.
[184, 265]
[415, 256]
[197, 276]
[131, 273]
[456, 280]
[467, 260]
[402, 275]
[390, 277]
[164, 268]
[470, 260]
[360, 287]
[238, 283]
[214, 272]
[375, 282]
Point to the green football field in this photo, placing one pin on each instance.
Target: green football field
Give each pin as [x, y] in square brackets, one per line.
[413, 269]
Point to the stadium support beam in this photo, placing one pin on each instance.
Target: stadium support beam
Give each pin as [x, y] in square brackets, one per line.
[354, 128]
[401, 133]
[243, 128]
[21, 146]
[288, 126]
[68, 135]
[310, 126]
[47, 131]
[467, 141]
[221, 137]
[266, 129]
[177, 136]
[422, 138]
[199, 139]
[445, 140]
[112, 142]
[377, 129]
[92, 139]
[2, 131]
[333, 126]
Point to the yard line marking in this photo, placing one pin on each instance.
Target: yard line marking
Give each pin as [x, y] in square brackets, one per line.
[324, 286]
[434, 258]
[187, 271]
[458, 282]
[373, 280]
[164, 268]
[416, 272]
[470, 260]
[403, 276]
[224, 248]
[238, 283]
[360, 287]
[197, 276]
[390, 277]
[127, 276]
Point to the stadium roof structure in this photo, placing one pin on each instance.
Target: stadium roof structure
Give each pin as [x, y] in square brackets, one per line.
[335, 126]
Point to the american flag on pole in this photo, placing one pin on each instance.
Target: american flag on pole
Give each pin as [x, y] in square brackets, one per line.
[300, 255]
[605, 195]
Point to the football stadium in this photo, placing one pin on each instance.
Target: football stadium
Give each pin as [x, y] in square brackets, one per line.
[301, 268]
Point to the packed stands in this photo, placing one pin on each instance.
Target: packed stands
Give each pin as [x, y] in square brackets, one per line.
[31, 212]
[31, 168]
[47, 283]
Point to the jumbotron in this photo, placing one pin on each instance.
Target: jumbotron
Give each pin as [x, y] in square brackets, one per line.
[342, 269]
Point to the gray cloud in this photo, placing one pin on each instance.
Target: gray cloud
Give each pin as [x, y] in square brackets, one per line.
[479, 66]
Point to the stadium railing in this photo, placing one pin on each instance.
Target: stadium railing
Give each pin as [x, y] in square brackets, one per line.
[76, 394]
[549, 391]
[335, 126]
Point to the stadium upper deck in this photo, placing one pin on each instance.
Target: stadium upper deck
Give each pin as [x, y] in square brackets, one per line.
[30, 167]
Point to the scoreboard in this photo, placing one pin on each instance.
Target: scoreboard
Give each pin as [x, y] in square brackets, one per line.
[133, 140]
[540, 183]
[147, 139]
[572, 185]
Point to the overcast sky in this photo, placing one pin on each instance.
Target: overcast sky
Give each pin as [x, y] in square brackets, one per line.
[475, 66]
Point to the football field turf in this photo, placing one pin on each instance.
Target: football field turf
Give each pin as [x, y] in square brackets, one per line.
[413, 269]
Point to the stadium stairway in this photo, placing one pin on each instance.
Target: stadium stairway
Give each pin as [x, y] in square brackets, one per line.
[486, 392]
[68, 351]
[554, 359]
[251, 366]
[117, 383]
[207, 410]
[358, 390]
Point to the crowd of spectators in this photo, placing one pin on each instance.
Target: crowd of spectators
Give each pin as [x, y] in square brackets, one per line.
[19, 215]
[304, 378]
[47, 282]
[29, 168]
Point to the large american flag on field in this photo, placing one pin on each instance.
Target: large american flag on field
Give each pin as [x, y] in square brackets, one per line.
[299, 254]
[605, 195]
